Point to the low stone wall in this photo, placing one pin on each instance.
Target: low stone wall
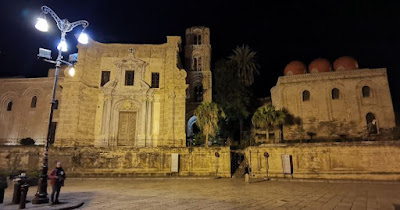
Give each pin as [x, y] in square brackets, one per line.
[362, 160]
[120, 161]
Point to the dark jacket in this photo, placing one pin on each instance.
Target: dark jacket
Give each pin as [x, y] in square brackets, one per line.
[60, 173]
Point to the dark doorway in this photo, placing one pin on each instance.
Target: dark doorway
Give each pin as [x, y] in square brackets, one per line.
[238, 164]
[371, 124]
[195, 129]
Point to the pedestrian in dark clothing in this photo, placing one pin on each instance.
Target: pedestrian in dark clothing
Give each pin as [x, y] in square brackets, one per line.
[57, 177]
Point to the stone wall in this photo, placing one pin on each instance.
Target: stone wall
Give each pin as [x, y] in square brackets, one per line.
[331, 118]
[120, 161]
[363, 160]
[25, 120]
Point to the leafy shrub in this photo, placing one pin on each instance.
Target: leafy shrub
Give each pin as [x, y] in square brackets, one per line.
[27, 141]
[198, 139]
[33, 173]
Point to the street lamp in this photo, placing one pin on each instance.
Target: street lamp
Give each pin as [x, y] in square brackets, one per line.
[64, 26]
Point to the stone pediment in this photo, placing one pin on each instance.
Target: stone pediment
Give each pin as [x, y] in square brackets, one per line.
[132, 63]
[128, 63]
[111, 88]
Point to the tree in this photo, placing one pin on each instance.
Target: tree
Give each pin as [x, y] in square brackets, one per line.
[232, 96]
[246, 66]
[208, 115]
[266, 118]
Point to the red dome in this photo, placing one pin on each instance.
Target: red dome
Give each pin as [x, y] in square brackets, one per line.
[345, 63]
[319, 65]
[294, 67]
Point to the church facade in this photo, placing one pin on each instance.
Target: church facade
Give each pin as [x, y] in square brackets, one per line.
[343, 101]
[129, 95]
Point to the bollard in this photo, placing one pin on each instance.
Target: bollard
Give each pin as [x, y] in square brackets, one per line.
[1, 195]
[17, 191]
[24, 191]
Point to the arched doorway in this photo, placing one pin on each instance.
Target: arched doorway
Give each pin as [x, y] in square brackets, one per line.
[372, 126]
[191, 130]
[191, 122]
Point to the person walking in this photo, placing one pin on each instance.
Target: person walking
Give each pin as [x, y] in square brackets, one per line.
[57, 177]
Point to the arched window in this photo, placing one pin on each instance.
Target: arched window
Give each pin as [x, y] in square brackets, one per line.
[199, 64]
[199, 39]
[198, 93]
[194, 39]
[366, 92]
[194, 64]
[33, 102]
[9, 106]
[335, 93]
[306, 95]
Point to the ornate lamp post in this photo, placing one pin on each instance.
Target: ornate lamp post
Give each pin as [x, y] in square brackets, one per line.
[64, 26]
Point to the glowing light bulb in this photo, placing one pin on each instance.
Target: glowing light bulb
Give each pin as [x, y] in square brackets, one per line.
[62, 46]
[42, 25]
[71, 71]
[83, 38]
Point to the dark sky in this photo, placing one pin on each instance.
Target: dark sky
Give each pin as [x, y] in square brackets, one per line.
[279, 32]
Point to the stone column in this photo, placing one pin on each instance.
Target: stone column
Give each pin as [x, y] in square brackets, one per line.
[149, 118]
[105, 123]
[141, 141]
[155, 120]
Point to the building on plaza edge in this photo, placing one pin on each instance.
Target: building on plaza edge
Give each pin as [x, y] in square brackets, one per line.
[136, 95]
[343, 101]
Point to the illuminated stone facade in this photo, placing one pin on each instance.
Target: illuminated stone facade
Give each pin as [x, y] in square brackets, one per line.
[25, 105]
[131, 95]
[333, 104]
[125, 95]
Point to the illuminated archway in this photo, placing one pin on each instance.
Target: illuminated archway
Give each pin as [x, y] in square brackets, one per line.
[190, 124]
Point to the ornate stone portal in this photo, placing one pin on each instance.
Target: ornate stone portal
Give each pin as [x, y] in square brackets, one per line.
[127, 128]
[127, 109]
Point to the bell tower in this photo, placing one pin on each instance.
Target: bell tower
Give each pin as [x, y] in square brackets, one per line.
[197, 65]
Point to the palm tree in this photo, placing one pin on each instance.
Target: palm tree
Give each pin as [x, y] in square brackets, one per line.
[208, 115]
[244, 60]
[266, 117]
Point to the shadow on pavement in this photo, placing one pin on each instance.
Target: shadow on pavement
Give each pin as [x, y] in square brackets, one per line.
[396, 206]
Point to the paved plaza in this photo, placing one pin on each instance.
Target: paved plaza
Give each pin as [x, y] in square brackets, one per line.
[156, 193]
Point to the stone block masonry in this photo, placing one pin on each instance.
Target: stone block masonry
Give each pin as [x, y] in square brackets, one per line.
[358, 161]
[120, 161]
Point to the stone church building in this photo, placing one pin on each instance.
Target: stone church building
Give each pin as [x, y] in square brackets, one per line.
[138, 95]
[343, 101]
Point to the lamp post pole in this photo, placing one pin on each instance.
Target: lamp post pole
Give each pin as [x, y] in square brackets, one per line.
[64, 26]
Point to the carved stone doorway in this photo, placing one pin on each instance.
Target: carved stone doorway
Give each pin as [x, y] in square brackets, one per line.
[127, 128]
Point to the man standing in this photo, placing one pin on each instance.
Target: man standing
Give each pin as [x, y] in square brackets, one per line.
[57, 177]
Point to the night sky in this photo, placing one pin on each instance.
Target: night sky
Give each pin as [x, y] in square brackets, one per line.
[279, 32]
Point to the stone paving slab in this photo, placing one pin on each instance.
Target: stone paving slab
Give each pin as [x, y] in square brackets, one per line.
[220, 194]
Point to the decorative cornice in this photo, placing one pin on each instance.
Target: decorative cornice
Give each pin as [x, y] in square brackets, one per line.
[93, 43]
[332, 75]
[28, 80]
